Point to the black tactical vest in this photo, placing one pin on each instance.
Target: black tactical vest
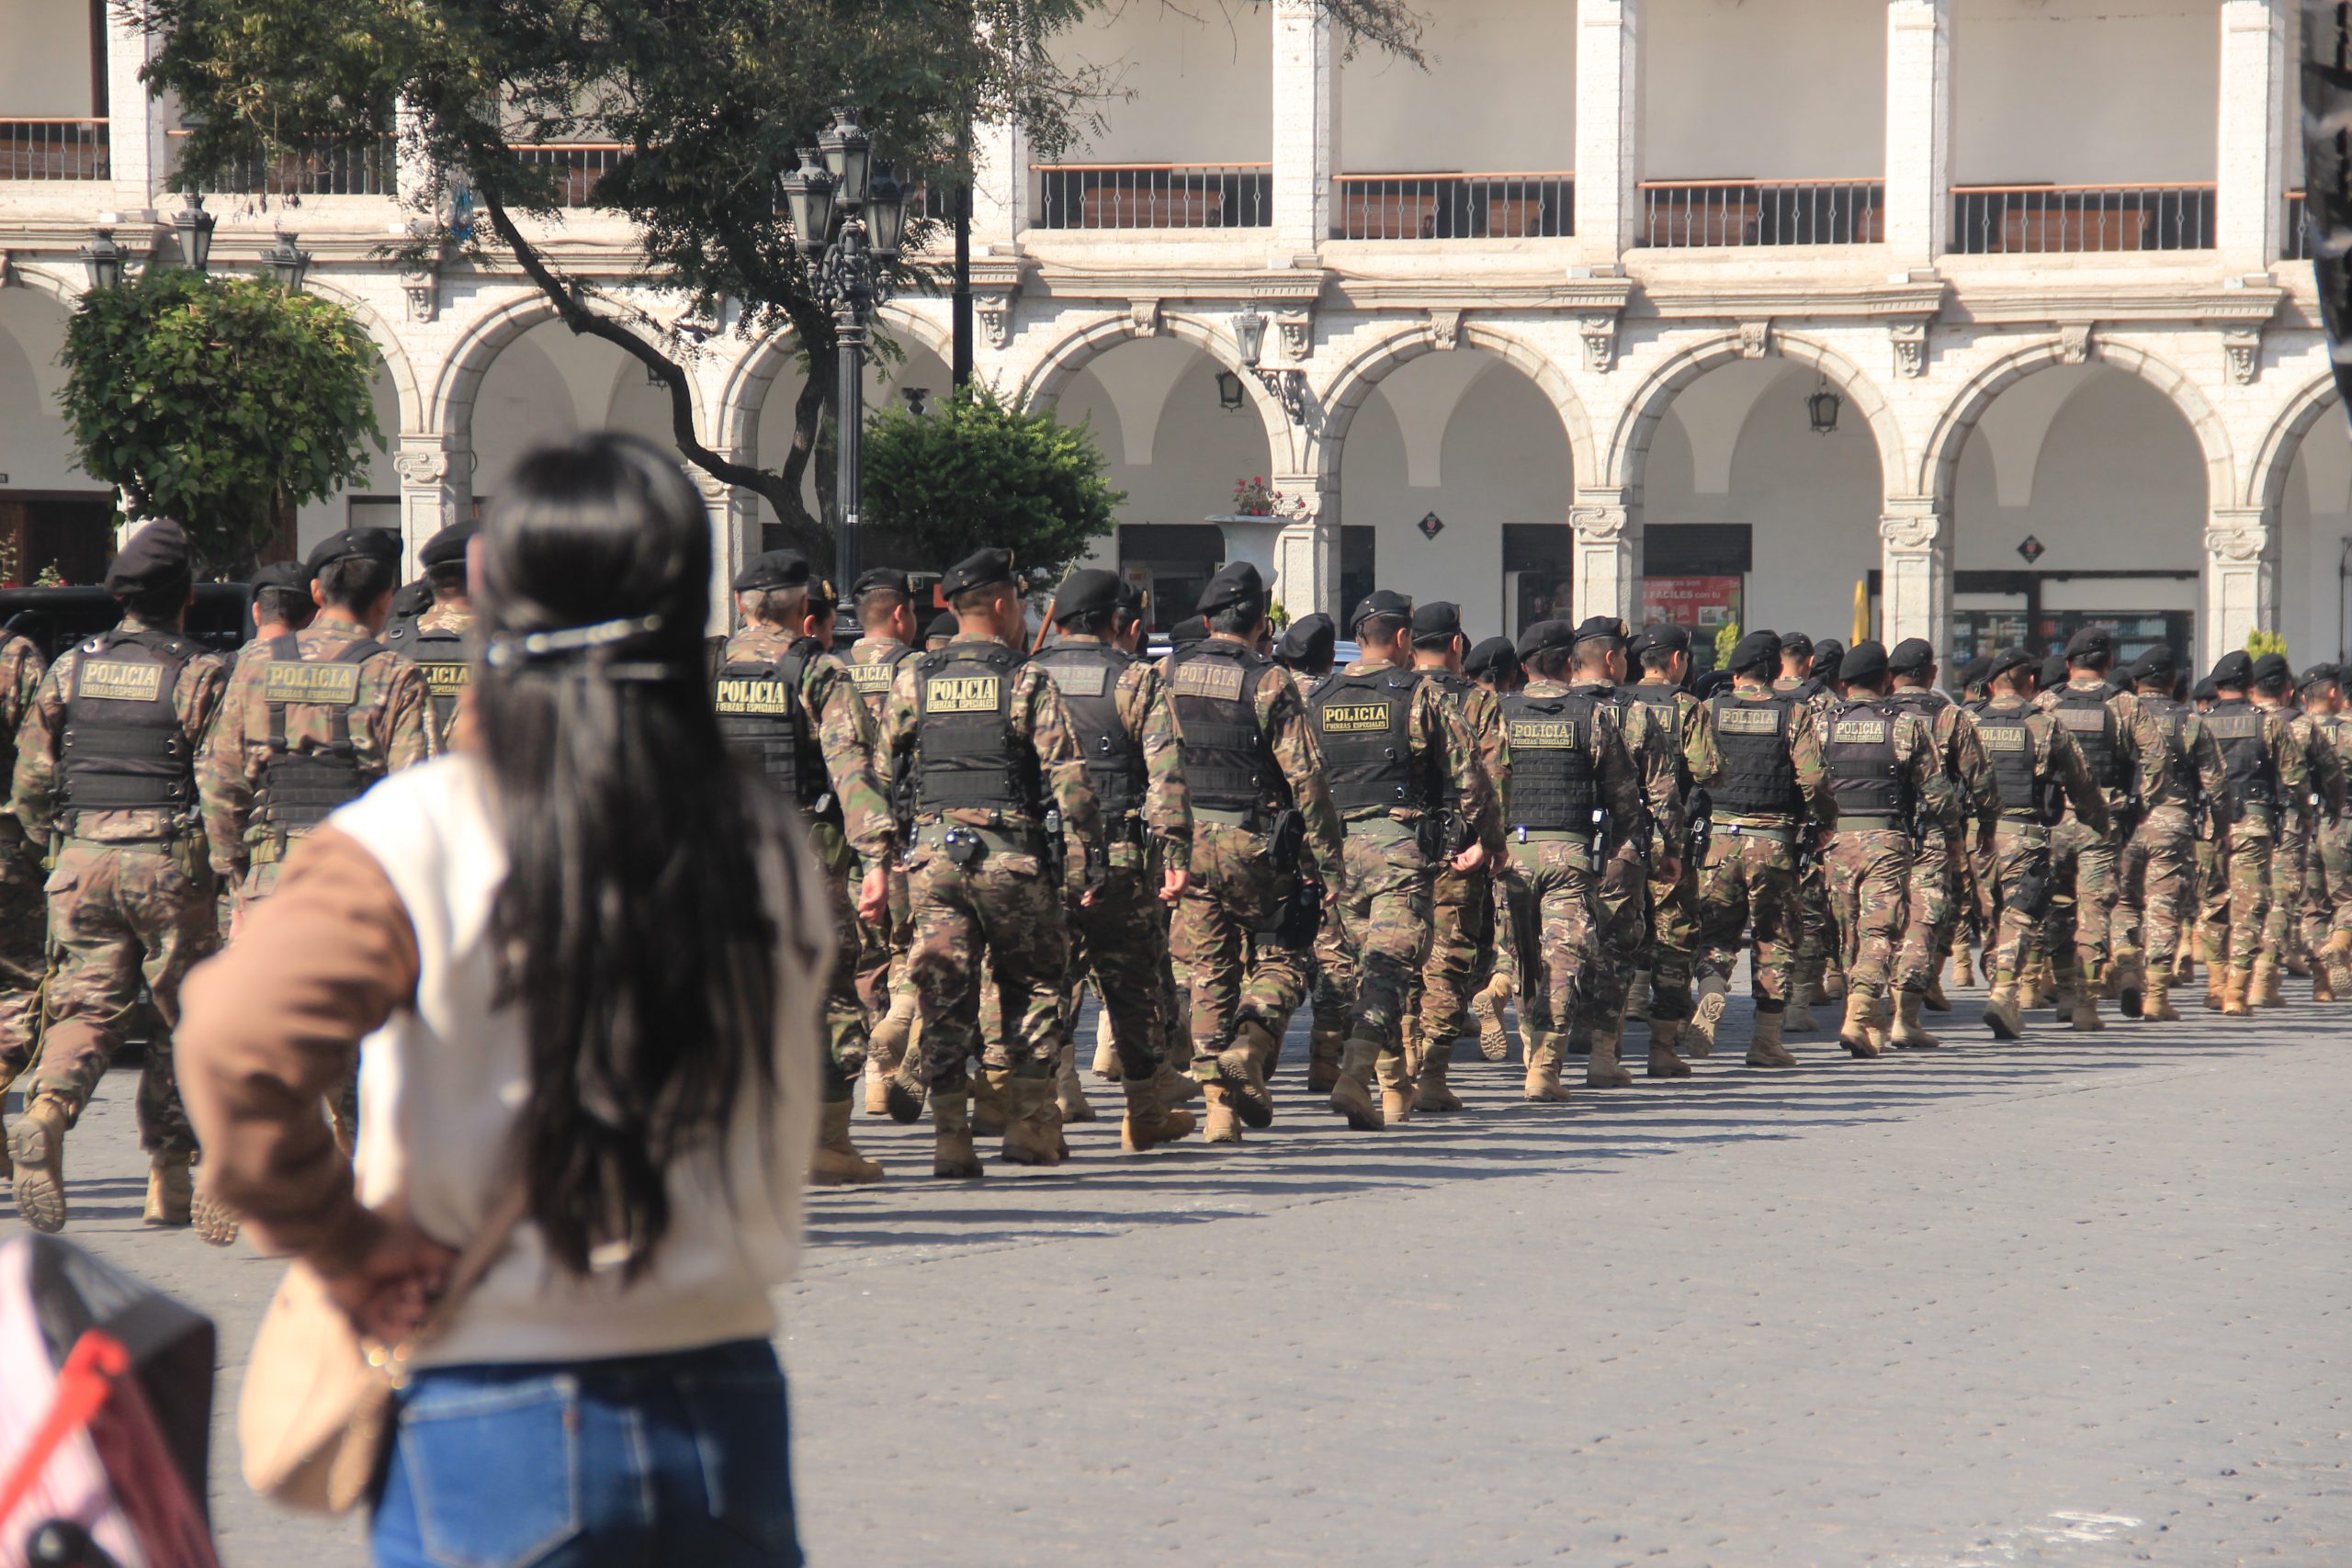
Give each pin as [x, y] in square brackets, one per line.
[2084, 715]
[875, 677]
[1864, 773]
[1087, 675]
[1365, 724]
[123, 749]
[1554, 784]
[2170, 717]
[1666, 711]
[2008, 746]
[1752, 738]
[442, 656]
[967, 757]
[301, 784]
[2237, 727]
[764, 721]
[1227, 765]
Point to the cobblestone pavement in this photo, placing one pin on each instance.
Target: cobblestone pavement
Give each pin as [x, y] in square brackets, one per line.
[2079, 1299]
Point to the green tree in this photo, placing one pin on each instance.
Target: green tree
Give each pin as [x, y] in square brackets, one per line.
[710, 102]
[218, 400]
[2259, 642]
[975, 473]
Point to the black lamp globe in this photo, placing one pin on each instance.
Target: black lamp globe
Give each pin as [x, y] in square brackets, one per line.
[101, 259]
[885, 212]
[194, 226]
[849, 156]
[286, 262]
[808, 199]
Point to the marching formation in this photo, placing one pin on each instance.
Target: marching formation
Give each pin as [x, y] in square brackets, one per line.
[1429, 844]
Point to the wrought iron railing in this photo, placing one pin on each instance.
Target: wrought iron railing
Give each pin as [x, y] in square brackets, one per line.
[1708, 214]
[54, 150]
[580, 167]
[2009, 220]
[1453, 207]
[2294, 234]
[366, 168]
[1155, 195]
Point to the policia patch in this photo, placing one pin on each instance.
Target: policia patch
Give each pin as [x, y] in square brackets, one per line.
[1545, 734]
[753, 694]
[120, 681]
[959, 694]
[334, 685]
[1354, 718]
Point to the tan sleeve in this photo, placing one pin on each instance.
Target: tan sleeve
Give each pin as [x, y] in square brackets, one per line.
[272, 1027]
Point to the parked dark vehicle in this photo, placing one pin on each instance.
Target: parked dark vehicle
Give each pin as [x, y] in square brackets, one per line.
[55, 618]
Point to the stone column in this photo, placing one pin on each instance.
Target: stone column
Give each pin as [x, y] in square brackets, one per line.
[734, 539]
[1306, 120]
[436, 490]
[1915, 578]
[1918, 132]
[1608, 573]
[1307, 552]
[1000, 186]
[138, 150]
[1609, 128]
[2241, 579]
[2251, 159]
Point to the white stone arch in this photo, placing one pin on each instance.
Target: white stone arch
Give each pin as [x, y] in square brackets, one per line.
[743, 393]
[59, 284]
[1629, 444]
[397, 364]
[1351, 387]
[1074, 351]
[1940, 459]
[2274, 458]
[450, 409]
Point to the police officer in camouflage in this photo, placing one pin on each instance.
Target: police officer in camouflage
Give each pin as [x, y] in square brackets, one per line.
[434, 640]
[985, 752]
[2156, 876]
[1266, 851]
[1943, 870]
[1126, 726]
[24, 912]
[1679, 720]
[884, 601]
[282, 600]
[106, 771]
[788, 707]
[2322, 796]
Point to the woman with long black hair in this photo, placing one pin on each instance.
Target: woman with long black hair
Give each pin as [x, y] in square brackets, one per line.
[586, 958]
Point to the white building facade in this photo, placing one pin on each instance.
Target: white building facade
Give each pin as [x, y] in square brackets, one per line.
[1554, 325]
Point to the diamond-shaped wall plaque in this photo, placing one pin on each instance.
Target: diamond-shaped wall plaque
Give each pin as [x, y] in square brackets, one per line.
[2031, 549]
[1432, 526]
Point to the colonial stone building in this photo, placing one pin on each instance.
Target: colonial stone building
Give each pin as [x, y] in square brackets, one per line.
[1714, 308]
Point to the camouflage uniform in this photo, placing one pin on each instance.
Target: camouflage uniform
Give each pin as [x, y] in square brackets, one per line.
[847, 812]
[882, 979]
[2267, 769]
[2324, 798]
[2155, 877]
[984, 902]
[1328, 1024]
[1936, 871]
[2335, 850]
[1625, 892]
[1869, 853]
[385, 721]
[1749, 883]
[2032, 758]
[24, 913]
[130, 894]
[2082, 861]
[1817, 935]
[436, 642]
[1674, 917]
[1462, 902]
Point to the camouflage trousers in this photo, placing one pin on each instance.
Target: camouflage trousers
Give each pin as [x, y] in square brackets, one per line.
[2237, 897]
[1462, 916]
[1384, 927]
[1932, 909]
[1673, 941]
[2204, 866]
[24, 935]
[1870, 894]
[844, 1011]
[2081, 896]
[2154, 886]
[123, 913]
[2282, 927]
[1554, 907]
[1747, 893]
[1817, 941]
[882, 947]
[1624, 899]
[993, 924]
[1120, 942]
[2018, 871]
[1227, 939]
[2334, 853]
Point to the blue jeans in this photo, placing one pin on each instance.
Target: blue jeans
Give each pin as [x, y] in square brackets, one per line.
[642, 1460]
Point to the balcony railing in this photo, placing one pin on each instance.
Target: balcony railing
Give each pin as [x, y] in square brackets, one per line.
[1694, 214]
[1453, 207]
[580, 164]
[1155, 195]
[2011, 220]
[2294, 237]
[54, 150]
[363, 169]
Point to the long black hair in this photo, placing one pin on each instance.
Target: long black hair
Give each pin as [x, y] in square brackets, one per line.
[633, 928]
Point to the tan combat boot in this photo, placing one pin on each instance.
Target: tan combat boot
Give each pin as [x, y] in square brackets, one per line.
[1699, 1035]
[2217, 980]
[2155, 1001]
[1031, 1136]
[1831, 987]
[1860, 1033]
[1544, 1085]
[1487, 1007]
[837, 1162]
[903, 1091]
[1149, 1123]
[2127, 974]
[953, 1156]
[1663, 1061]
[1224, 1126]
[2298, 964]
[1069, 1095]
[171, 1189]
[1106, 1048]
[1323, 1048]
[1934, 1000]
[1797, 1018]
[2265, 989]
[2322, 983]
[1961, 973]
[1351, 1094]
[1398, 1073]
[37, 1146]
[990, 1116]
[1434, 1093]
[1764, 1048]
[1177, 1085]
[2233, 984]
[1602, 1070]
[2003, 1016]
[877, 1083]
[887, 1039]
[1243, 1067]
[1909, 1033]
[2084, 1016]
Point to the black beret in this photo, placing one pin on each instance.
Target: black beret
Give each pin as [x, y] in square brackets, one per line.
[1543, 637]
[447, 548]
[2053, 673]
[1797, 644]
[2008, 658]
[411, 600]
[1754, 649]
[881, 578]
[1912, 656]
[1635, 645]
[945, 623]
[1866, 661]
[1673, 638]
[1597, 628]
[821, 592]
[1495, 656]
[355, 544]
[1975, 673]
[1707, 686]
[1193, 630]
[2203, 691]
[981, 568]
[1132, 598]
[1379, 601]
[2234, 669]
[1237, 583]
[2271, 667]
[156, 557]
[1307, 639]
[1827, 654]
[772, 568]
[288, 574]
[1088, 590]
[2089, 642]
[1436, 622]
[2157, 663]
[2318, 675]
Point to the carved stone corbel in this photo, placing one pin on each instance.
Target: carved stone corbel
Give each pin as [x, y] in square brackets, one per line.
[2243, 346]
[1297, 329]
[1600, 334]
[422, 291]
[1755, 339]
[1446, 328]
[1909, 340]
[994, 313]
[2074, 343]
[1145, 315]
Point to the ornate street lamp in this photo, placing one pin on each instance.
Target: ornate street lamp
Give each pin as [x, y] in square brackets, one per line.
[1821, 408]
[287, 263]
[101, 259]
[848, 221]
[1249, 330]
[194, 226]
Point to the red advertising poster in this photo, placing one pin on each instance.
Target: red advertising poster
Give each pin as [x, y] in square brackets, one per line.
[1703, 604]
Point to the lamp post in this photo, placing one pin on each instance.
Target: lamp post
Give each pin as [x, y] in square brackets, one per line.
[101, 259]
[194, 226]
[286, 262]
[848, 216]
